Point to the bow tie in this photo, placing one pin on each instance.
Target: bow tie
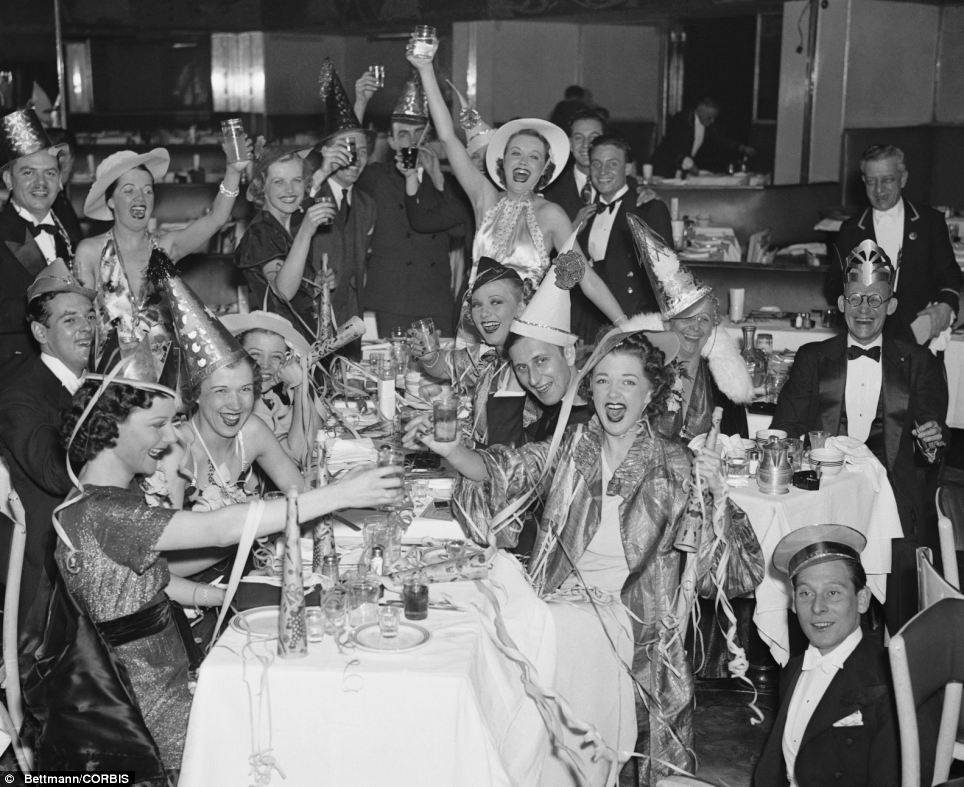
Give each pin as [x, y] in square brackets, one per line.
[812, 660]
[856, 351]
[602, 207]
[36, 229]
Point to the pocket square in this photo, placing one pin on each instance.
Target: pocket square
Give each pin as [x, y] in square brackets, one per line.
[855, 719]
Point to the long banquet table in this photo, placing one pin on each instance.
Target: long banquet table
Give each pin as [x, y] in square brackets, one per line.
[453, 712]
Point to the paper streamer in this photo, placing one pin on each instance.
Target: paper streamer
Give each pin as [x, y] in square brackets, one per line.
[292, 632]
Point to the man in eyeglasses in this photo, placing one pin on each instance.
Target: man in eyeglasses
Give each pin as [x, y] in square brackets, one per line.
[888, 393]
[915, 238]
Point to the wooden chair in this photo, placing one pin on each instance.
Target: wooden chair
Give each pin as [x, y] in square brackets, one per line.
[931, 586]
[926, 660]
[950, 529]
[11, 715]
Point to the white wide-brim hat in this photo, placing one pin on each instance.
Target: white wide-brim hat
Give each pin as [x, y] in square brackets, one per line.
[271, 322]
[556, 137]
[111, 168]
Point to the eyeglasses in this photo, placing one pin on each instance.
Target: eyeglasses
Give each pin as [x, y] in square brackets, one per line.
[874, 301]
[888, 182]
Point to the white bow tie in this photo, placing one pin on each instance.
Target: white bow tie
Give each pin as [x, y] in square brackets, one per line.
[813, 660]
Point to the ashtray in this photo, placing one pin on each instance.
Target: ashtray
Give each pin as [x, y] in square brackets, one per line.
[806, 479]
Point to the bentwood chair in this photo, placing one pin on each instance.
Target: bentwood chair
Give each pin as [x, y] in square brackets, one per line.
[950, 529]
[927, 665]
[931, 586]
[12, 720]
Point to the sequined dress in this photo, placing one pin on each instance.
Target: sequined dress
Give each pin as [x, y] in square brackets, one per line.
[121, 572]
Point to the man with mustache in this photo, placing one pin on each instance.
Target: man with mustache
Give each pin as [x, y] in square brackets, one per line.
[34, 389]
[31, 234]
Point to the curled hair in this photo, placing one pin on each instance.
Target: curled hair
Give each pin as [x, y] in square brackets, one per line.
[100, 429]
[256, 187]
[661, 375]
[193, 394]
[111, 187]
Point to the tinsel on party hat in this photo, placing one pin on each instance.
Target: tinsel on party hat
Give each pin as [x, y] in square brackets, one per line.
[412, 105]
[477, 131]
[676, 289]
[205, 344]
[22, 134]
[339, 112]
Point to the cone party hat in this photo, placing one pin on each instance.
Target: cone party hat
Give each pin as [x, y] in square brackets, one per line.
[477, 131]
[22, 134]
[412, 105]
[205, 344]
[676, 289]
[339, 112]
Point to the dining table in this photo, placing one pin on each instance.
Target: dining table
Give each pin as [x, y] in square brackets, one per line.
[465, 706]
[860, 496]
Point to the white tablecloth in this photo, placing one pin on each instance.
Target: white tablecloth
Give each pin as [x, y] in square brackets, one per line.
[453, 712]
[859, 497]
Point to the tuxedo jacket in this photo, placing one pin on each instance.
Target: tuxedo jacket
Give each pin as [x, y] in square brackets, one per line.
[409, 271]
[913, 390]
[620, 269]
[347, 242]
[866, 755]
[20, 262]
[564, 193]
[31, 401]
[927, 271]
[714, 153]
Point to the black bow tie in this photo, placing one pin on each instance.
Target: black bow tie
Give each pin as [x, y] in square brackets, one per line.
[610, 206]
[36, 229]
[856, 351]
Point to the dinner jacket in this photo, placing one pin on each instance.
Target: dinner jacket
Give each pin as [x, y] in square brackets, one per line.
[677, 143]
[31, 401]
[927, 271]
[913, 390]
[564, 193]
[347, 242]
[620, 269]
[866, 755]
[409, 271]
[20, 262]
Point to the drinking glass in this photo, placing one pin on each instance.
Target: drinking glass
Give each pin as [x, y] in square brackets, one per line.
[378, 73]
[737, 469]
[445, 416]
[315, 624]
[415, 598]
[425, 331]
[333, 605]
[795, 452]
[409, 157]
[363, 592]
[818, 439]
[388, 621]
[234, 138]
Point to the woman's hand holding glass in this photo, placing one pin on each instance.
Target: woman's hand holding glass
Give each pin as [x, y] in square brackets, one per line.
[369, 487]
[425, 55]
[242, 164]
[318, 214]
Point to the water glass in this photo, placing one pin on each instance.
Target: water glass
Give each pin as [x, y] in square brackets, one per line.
[445, 412]
[737, 470]
[378, 73]
[795, 452]
[424, 40]
[333, 604]
[818, 439]
[378, 531]
[234, 139]
[415, 598]
[409, 157]
[315, 624]
[363, 593]
[425, 332]
[388, 621]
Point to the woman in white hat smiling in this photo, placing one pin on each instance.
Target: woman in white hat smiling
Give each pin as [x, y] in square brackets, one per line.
[517, 226]
[114, 264]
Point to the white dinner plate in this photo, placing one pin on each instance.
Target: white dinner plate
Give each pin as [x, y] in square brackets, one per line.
[410, 636]
[258, 622]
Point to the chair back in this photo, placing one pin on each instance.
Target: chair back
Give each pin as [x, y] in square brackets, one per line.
[950, 529]
[927, 665]
[931, 586]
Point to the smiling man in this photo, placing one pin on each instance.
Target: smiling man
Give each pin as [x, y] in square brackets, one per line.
[914, 237]
[836, 721]
[31, 234]
[573, 189]
[34, 389]
[885, 392]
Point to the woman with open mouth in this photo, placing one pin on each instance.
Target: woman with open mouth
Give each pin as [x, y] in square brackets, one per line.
[114, 264]
[516, 225]
[616, 495]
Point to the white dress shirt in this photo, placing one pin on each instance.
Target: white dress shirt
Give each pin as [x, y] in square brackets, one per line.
[699, 132]
[602, 226]
[862, 390]
[44, 240]
[67, 378]
[818, 672]
[889, 230]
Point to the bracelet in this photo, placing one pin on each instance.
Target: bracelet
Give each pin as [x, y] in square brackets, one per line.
[205, 598]
[222, 189]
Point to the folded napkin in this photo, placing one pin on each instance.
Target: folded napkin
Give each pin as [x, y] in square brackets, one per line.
[344, 454]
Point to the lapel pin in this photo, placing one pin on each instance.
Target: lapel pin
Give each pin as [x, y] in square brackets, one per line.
[912, 236]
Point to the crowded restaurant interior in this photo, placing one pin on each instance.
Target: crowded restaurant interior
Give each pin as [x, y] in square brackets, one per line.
[470, 393]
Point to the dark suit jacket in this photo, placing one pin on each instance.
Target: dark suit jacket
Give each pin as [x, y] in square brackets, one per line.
[409, 270]
[348, 246]
[913, 390]
[928, 270]
[564, 193]
[20, 262]
[714, 154]
[31, 400]
[860, 756]
[621, 270]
